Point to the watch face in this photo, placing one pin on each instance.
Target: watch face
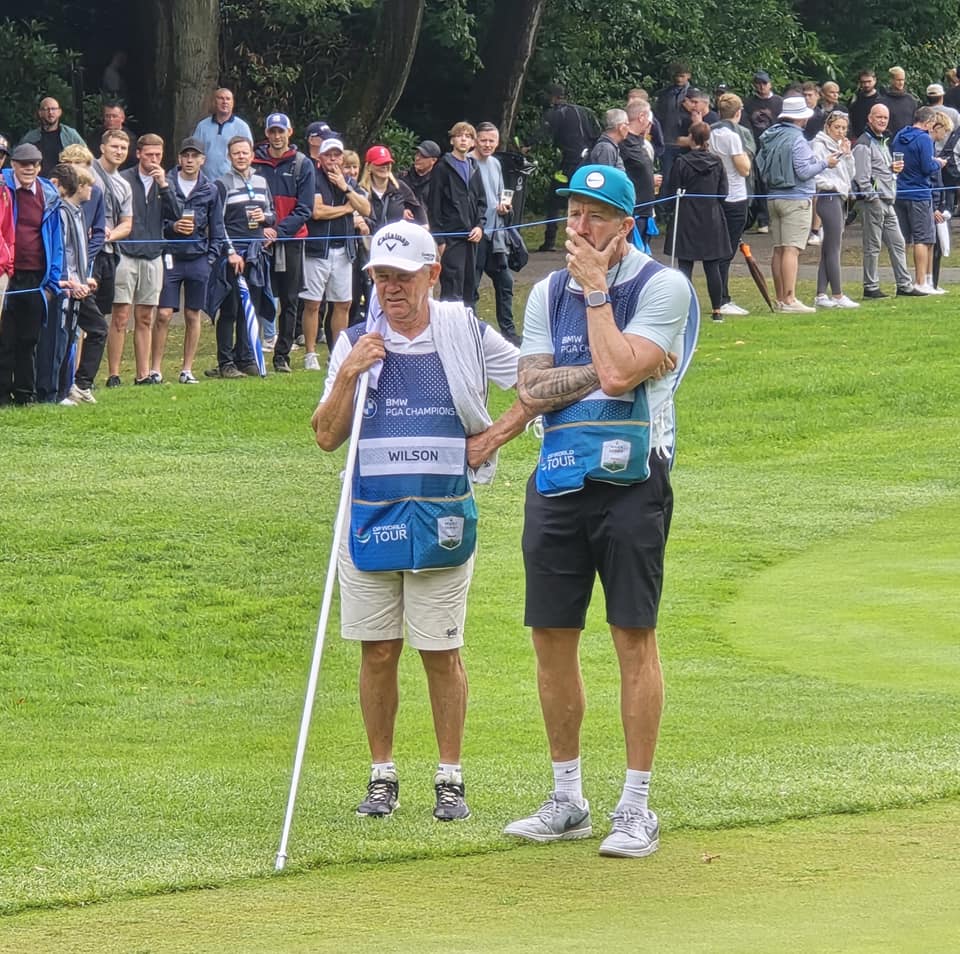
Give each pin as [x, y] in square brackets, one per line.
[596, 299]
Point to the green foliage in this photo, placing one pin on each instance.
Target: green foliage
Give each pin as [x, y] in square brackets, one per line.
[402, 143]
[30, 67]
[293, 54]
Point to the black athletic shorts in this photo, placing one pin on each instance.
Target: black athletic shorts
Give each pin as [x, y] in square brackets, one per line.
[616, 531]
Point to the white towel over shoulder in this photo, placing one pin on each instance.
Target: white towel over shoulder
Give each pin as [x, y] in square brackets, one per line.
[459, 344]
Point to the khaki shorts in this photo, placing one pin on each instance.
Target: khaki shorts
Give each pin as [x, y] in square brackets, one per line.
[138, 281]
[432, 603]
[790, 221]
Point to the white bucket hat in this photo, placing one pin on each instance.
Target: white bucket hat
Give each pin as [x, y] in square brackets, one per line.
[795, 107]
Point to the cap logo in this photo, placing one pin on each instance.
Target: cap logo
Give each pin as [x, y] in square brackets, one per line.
[392, 240]
[595, 180]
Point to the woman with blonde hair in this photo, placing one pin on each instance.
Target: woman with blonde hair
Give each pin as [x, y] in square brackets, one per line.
[390, 199]
[833, 187]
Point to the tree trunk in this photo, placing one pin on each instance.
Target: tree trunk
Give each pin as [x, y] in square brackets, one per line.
[506, 55]
[186, 64]
[382, 75]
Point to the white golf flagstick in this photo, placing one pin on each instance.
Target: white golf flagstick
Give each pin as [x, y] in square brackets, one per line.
[361, 399]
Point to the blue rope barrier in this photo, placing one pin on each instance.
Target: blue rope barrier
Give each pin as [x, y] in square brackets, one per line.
[662, 200]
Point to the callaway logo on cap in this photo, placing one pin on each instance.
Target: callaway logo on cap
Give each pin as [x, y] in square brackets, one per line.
[392, 240]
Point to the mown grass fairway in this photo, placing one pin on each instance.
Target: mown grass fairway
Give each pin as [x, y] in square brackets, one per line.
[852, 883]
[163, 557]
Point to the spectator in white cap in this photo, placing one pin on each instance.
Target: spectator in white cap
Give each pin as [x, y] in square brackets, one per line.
[789, 168]
[935, 94]
[330, 248]
[425, 426]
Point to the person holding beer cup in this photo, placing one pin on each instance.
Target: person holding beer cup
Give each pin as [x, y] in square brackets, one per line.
[192, 235]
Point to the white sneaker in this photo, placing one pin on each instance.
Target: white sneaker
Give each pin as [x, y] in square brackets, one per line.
[186, 377]
[269, 344]
[81, 395]
[763, 229]
[922, 289]
[311, 362]
[635, 834]
[796, 307]
[931, 289]
[825, 301]
[732, 309]
[67, 402]
[559, 818]
[844, 302]
[813, 238]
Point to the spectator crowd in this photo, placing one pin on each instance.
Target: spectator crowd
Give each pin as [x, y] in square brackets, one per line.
[110, 237]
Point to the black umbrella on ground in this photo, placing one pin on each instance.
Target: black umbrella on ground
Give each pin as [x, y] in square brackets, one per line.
[756, 273]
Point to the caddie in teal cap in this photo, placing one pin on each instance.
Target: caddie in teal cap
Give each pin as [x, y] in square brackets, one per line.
[605, 184]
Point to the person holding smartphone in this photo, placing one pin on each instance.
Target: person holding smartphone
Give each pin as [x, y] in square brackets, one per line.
[833, 187]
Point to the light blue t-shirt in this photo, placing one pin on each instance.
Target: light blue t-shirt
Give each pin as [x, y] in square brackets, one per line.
[660, 317]
[215, 137]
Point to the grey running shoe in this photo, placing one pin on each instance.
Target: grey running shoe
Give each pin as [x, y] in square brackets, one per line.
[635, 834]
[559, 818]
[451, 804]
[383, 797]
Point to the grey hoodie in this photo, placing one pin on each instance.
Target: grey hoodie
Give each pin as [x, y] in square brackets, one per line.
[873, 178]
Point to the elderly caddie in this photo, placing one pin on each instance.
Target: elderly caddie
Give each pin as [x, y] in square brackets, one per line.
[598, 361]
[408, 554]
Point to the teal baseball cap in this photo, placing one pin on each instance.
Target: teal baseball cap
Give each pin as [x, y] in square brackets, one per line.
[604, 184]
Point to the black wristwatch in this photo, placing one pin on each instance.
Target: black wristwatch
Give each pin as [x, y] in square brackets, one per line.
[597, 299]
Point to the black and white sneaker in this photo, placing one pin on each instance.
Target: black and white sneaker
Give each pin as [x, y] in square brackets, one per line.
[383, 796]
[451, 804]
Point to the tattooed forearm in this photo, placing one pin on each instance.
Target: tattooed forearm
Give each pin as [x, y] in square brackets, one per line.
[542, 387]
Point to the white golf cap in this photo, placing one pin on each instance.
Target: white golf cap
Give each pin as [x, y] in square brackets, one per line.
[402, 245]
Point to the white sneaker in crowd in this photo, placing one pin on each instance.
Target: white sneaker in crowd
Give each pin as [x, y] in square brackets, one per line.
[311, 362]
[730, 308]
[813, 238]
[930, 289]
[81, 395]
[844, 302]
[796, 307]
[825, 301]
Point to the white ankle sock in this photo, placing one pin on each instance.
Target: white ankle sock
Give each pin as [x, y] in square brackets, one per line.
[383, 768]
[567, 779]
[451, 769]
[636, 789]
